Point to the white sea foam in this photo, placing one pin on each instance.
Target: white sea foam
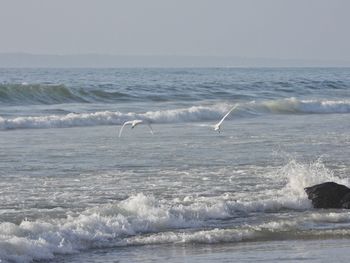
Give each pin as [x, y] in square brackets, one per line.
[331, 217]
[191, 114]
[42, 240]
[144, 219]
[195, 113]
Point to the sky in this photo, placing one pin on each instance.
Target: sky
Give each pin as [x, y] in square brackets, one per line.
[282, 29]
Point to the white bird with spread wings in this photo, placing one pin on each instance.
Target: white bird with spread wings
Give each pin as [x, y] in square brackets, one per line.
[135, 123]
[218, 125]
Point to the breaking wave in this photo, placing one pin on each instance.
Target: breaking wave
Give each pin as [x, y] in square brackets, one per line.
[191, 114]
[40, 240]
[143, 219]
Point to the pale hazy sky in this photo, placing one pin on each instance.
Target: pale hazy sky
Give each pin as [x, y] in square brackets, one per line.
[293, 29]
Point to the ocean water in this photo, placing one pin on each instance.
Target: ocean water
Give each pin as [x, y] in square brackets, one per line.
[71, 190]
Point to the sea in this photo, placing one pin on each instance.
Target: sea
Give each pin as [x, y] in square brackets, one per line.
[72, 190]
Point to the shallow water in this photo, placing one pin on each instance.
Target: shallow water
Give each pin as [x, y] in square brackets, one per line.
[72, 191]
[273, 251]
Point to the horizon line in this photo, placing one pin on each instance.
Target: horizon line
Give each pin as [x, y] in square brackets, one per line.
[174, 56]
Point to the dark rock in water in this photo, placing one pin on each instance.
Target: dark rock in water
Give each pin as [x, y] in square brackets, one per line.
[345, 201]
[329, 195]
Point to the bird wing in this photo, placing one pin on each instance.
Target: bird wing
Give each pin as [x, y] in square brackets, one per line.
[121, 129]
[137, 122]
[228, 113]
[150, 128]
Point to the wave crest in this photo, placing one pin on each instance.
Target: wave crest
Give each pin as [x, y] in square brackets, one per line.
[143, 219]
[191, 114]
[293, 105]
[27, 94]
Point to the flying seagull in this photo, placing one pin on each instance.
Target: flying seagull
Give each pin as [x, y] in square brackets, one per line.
[133, 124]
[217, 126]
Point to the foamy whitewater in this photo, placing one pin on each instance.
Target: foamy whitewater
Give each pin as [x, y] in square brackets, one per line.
[72, 191]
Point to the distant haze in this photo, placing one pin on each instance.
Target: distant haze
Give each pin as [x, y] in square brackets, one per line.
[114, 61]
[300, 31]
